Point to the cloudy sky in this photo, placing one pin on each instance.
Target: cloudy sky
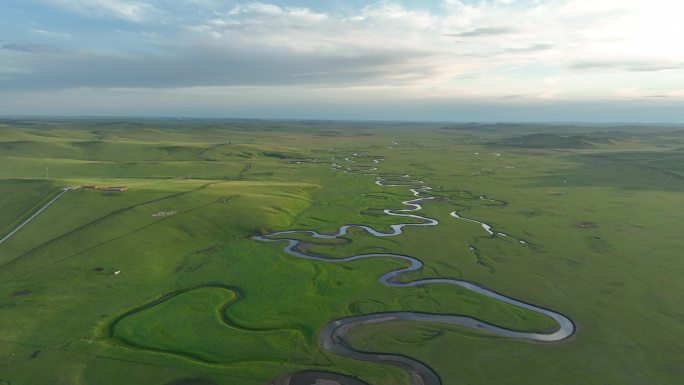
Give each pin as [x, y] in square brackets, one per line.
[456, 60]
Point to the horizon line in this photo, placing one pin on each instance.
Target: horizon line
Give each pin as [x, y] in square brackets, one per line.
[332, 120]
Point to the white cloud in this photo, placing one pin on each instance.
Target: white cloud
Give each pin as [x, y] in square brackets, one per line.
[134, 11]
[51, 34]
[479, 40]
[563, 49]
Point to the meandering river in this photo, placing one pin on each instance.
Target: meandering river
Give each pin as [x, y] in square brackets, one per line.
[332, 335]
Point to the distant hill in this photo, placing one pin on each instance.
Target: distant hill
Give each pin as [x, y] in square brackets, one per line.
[552, 141]
[518, 127]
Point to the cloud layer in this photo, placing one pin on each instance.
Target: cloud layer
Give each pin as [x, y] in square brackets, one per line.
[532, 50]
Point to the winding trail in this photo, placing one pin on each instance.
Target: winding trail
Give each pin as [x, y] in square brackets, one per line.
[32, 217]
[332, 334]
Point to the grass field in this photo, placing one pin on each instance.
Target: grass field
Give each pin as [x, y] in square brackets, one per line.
[196, 301]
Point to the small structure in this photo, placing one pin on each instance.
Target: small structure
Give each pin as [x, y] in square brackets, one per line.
[89, 187]
[115, 189]
[117, 272]
[165, 214]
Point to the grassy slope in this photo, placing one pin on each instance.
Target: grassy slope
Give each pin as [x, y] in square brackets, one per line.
[21, 199]
[598, 275]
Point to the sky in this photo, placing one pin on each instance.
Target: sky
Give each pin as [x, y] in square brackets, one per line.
[433, 60]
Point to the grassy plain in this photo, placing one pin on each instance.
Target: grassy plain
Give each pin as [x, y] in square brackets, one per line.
[198, 300]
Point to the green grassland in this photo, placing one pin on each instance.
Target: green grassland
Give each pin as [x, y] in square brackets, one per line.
[197, 301]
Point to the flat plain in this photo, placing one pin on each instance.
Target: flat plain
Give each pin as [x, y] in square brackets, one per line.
[164, 283]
